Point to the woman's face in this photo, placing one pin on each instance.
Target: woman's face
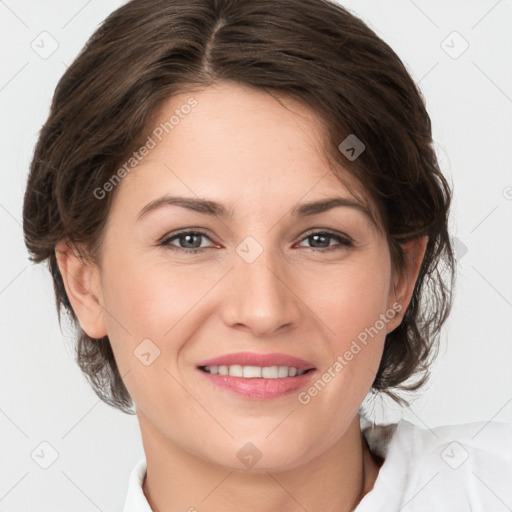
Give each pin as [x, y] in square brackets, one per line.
[271, 278]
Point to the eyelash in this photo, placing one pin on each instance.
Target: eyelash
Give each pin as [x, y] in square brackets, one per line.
[344, 242]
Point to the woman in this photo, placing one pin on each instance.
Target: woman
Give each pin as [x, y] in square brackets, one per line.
[242, 211]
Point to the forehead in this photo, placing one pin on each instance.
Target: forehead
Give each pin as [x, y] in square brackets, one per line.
[237, 142]
[235, 122]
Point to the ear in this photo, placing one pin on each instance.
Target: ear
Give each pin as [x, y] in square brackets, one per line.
[82, 282]
[404, 282]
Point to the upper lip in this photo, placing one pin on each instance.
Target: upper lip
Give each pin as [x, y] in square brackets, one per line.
[255, 359]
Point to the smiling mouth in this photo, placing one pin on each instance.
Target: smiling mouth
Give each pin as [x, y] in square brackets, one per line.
[255, 372]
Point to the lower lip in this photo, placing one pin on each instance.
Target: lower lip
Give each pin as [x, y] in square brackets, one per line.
[260, 389]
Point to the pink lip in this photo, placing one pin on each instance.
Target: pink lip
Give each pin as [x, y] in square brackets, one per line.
[254, 359]
[257, 388]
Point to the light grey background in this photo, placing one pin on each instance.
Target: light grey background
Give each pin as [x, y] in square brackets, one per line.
[43, 396]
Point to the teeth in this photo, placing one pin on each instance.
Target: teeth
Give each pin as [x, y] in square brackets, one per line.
[255, 372]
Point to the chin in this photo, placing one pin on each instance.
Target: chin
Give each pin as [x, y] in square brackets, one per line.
[260, 455]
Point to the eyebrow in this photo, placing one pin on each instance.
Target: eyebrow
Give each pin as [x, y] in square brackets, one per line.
[215, 209]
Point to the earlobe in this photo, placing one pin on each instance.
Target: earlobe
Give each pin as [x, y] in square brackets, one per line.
[403, 285]
[81, 280]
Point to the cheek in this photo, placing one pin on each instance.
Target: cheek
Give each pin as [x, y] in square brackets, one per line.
[147, 302]
[147, 298]
[351, 304]
[352, 299]
[133, 288]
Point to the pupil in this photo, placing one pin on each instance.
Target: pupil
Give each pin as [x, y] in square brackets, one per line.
[187, 241]
[316, 237]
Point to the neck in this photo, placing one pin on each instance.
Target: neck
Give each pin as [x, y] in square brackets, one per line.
[335, 480]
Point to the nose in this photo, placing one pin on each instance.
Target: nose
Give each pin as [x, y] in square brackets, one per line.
[260, 296]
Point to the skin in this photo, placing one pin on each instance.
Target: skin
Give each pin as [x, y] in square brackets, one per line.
[242, 148]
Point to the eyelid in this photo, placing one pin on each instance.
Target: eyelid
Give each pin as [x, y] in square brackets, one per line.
[327, 231]
[185, 231]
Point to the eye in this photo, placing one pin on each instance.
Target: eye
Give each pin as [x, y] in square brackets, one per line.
[322, 240]
[189, 241]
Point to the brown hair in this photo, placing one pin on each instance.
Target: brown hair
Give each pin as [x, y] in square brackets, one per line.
[312, 50]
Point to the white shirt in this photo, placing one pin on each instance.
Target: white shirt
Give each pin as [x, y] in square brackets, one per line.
[453, 468]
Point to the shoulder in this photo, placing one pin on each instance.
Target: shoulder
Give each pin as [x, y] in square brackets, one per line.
[455, 444]
[451, 467]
